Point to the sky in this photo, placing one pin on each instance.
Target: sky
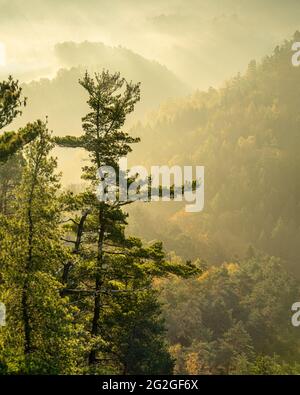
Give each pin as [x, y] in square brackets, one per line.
[202, 41]
[2, 55]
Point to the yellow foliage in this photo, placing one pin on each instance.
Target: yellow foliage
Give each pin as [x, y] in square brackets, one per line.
[232, 267]
[192, 363]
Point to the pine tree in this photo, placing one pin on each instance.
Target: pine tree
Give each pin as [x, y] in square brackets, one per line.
[11, 102]
[10, 177]
[111, 273]
[40, 335]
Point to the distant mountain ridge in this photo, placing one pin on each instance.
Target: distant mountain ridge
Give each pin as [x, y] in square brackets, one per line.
[63, 100]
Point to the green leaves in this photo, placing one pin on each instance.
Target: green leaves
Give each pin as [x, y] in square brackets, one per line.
[11, 142]
[41, 335]
[110, 100]
[76, 286]
[11, 101]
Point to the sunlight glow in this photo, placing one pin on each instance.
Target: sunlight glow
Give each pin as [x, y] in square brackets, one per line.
[2, 54]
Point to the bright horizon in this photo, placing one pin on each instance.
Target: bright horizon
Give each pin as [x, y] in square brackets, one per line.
[2, 55]
[189, 41]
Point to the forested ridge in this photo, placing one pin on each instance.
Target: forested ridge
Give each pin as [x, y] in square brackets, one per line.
[246, 134]
[85, 296]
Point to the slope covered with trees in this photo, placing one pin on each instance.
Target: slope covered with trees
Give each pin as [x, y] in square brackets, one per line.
[11, 102]
[247, 137]
[233, 319]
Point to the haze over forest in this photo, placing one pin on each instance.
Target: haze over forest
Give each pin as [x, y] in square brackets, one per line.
[218, 89]
[202, 42]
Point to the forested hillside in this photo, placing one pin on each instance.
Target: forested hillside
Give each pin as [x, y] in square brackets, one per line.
[247, 137]
[233, 319]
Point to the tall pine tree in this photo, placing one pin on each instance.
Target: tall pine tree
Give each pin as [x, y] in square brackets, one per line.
[40, 335]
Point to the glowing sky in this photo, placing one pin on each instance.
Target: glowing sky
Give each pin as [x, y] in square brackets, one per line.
[202, 41]
[2, 55]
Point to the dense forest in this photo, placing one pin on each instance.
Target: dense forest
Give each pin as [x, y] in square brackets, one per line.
[84, 295]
